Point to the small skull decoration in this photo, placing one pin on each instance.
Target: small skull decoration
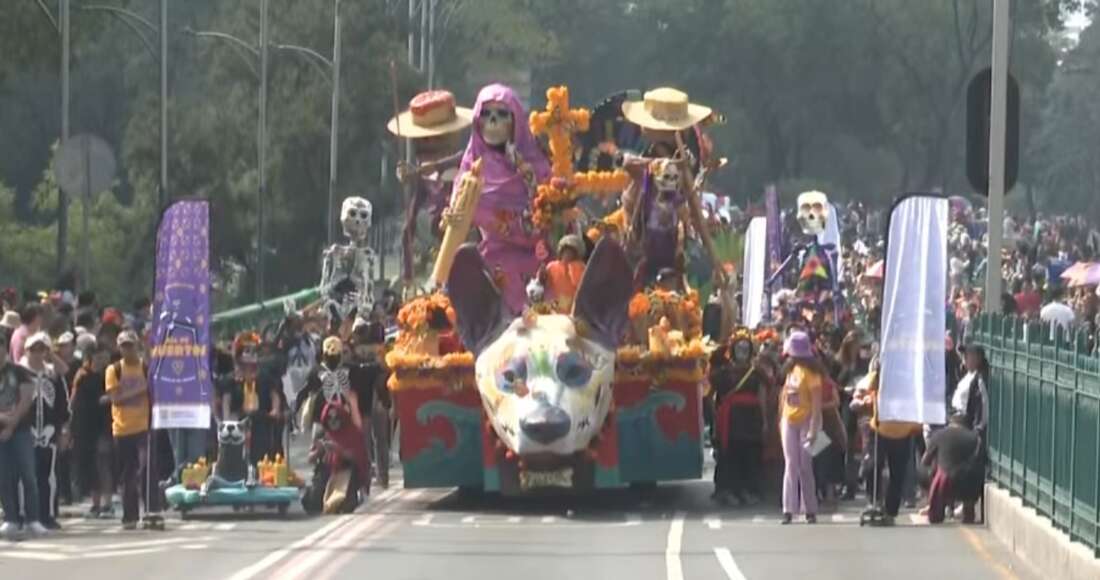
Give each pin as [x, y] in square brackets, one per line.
[666, 175]
[813, 212]
[355, 216]
[495, 123]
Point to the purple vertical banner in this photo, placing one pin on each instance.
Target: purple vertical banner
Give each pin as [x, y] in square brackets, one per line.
[179, 366]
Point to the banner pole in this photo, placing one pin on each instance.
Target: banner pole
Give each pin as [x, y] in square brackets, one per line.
[997, 126]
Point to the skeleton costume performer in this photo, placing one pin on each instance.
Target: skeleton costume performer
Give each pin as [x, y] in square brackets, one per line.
[656, 204]
[49, 416]
[343, 462]
[433, 124]
[347, 270]
[511, 166]
[816, 262]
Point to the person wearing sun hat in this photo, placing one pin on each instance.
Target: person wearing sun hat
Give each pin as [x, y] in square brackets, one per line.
[433, 123]
[662, 195]
[253, 394]
[800, 424]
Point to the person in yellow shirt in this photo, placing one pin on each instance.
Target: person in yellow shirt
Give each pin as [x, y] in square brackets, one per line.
[799, 425]
[128, 392]
[892, 439]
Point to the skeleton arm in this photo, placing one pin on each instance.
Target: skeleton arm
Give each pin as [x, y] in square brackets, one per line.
[696, 208]
[328, 268]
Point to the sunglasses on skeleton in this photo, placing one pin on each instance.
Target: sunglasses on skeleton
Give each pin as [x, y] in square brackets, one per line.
[498, 113]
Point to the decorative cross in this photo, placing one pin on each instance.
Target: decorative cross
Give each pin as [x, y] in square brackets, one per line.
[559, 123]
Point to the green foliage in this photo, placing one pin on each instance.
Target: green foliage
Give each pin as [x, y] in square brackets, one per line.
[862, 98]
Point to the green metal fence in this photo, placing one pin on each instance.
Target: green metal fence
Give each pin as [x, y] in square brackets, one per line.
[256, 316]
[1044, 431]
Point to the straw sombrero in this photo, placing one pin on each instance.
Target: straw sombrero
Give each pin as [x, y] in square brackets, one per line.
[431, 114]
[665, 109]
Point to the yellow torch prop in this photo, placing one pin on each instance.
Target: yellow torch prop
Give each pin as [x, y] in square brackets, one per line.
[458, 219]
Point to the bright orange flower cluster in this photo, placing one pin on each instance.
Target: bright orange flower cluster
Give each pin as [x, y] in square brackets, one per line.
[658, 300]
[415, 316]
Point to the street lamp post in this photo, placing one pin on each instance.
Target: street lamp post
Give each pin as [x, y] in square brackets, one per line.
[334, 128]
[260, 53]
[131, 20]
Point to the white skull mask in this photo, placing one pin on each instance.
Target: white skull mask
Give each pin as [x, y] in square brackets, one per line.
[355, 216]
[813, 212]
[495, 123]
[666, 175]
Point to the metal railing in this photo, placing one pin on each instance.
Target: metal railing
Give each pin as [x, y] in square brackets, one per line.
[1044, 430]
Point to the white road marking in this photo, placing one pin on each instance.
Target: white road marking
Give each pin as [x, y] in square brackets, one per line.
[303, 566]
[729, 565]
[549, 520]
[673, 565]
[194, 546]
[759, 519]
[713, 522]
[44, 556]
[425, 520]
[224, 527]
[838, 518]
[274, 557]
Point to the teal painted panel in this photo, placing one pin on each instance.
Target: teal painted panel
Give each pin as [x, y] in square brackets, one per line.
[645, 454]
[436, 466]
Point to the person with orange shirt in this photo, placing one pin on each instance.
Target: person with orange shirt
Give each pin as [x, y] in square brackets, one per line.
[563, 276]
[799, 425]
[892, 439]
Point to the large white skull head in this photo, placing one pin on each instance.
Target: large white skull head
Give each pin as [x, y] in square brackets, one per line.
[495, 123]
[355, 216]
[813, 212]
[545, 381]
[666, 175]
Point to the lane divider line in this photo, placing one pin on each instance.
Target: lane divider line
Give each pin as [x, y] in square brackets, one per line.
[273, 558]
[673, 566]
[729, 565]
[333, 568]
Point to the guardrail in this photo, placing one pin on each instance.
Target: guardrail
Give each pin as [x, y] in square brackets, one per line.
[1044, 430]
[256, 316]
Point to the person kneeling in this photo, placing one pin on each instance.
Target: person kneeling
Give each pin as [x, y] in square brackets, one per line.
[959, 468]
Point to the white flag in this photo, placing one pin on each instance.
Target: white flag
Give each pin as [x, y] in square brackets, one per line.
[914, 320]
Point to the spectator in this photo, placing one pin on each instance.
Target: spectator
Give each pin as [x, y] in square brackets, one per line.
[956, 454]
[91, 428]
[31, 318]
[9, 323]
[17, 462]
[971, 397]
[126, 386]
[1057, 312]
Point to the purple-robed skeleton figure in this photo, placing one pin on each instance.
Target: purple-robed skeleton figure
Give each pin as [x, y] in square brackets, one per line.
[512, 164]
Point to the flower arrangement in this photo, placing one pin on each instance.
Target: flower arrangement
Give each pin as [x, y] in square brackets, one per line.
[425, 314]
[559, 122]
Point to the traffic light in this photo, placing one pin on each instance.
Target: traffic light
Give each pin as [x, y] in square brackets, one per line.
[977, 131]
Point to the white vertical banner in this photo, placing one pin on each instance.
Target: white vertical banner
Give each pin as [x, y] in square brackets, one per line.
[756, 258]
[831, 236]
[914, 316]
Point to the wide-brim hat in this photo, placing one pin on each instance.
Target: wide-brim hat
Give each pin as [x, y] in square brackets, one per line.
[431, 114]
[38, 339]
[665, 109]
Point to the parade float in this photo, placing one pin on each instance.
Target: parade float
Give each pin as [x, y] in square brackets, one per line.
[604, 392]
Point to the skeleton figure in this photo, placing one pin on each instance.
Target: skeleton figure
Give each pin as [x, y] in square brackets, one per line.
[657, 217]
[816, 262]
[347, 271]
[813, 212]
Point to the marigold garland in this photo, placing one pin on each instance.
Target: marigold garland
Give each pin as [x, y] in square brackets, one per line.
[559, 122]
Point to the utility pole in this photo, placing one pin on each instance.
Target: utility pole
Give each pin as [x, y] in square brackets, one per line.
[262, 147]
[423, 35]
[431, 44]
[162, 198]
[62, 197]
[998, 119]
[330, 221]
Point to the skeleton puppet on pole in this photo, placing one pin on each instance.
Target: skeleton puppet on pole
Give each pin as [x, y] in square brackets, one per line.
[817, 279]
[347, 284]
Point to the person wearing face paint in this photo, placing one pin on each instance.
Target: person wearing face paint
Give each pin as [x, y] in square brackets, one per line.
[740, 420]
[433, 124]
[511, 165]
[253, 395]
[367, 376]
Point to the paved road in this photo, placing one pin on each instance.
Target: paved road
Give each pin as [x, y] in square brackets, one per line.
[669, 534]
